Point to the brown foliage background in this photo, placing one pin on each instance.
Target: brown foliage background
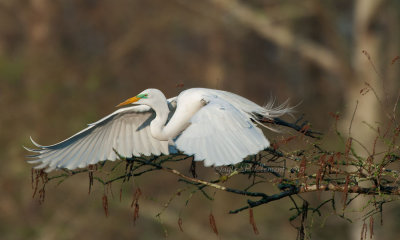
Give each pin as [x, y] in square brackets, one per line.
[67, 63]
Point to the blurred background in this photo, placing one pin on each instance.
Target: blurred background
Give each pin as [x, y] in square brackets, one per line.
[64, 64]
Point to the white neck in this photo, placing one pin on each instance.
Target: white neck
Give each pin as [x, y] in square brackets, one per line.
[158, 124]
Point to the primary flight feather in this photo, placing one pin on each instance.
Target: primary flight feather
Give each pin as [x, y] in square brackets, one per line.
[216, 126]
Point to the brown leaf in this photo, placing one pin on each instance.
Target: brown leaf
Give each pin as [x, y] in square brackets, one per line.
[338, 156]
[362, 231]
[42, 194]
[334, 115]
[36, 180]
[348, 148]
[305, 128]
[318, 178]
[302, 169]
[283, 142]
[320, 171]
[395, 59]
[136, 212]
[135, 202]
[213, 224]
[275, 146]
[180, 224]
[252, 222]
[136, 196]
[105, 204]
[345, 191]
[371, 227]
[331, 160]
[40, 175]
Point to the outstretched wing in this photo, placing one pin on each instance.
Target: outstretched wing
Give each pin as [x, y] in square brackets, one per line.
[126, 131]
[220, 134]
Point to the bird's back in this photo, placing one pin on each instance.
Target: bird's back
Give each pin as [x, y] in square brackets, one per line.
[239, 102]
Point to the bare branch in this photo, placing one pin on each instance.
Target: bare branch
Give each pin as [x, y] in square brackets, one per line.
[281, 36]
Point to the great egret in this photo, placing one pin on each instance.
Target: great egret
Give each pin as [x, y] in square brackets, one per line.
[216, 126]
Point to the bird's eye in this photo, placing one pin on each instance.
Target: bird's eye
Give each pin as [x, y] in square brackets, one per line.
[145, 95]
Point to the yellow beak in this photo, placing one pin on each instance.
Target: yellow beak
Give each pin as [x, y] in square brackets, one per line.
[128, 101]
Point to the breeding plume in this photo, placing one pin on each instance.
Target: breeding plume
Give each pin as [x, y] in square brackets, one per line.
[215, 126]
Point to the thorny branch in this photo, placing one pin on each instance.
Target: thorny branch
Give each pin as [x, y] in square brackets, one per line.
[304, 127]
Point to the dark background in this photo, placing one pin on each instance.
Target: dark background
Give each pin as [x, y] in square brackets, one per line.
[64, 64]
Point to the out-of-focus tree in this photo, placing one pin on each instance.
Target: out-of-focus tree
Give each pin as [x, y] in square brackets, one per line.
[66, 63]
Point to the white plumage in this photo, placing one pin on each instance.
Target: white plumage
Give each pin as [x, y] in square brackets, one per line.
[212, 125]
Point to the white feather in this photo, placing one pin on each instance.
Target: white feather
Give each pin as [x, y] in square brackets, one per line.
[223, 129]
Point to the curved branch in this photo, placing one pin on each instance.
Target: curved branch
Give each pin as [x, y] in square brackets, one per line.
[281, 36]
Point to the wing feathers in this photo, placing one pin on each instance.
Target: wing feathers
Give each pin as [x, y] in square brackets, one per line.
[126, 130]
[128, 140]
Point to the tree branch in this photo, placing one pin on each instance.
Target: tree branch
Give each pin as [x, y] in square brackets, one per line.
[281, 36]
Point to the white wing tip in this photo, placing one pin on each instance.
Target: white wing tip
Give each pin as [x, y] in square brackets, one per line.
[32, 149]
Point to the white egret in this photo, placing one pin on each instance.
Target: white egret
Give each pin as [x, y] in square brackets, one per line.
[216, 126]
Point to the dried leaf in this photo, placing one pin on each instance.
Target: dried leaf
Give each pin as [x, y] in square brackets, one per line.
[331, 161]
[105, 204]
[213, 224]
[318, 178]
[136, 196]
[252, 222]
[345, 191]
[302, 169]
[338, 156]
[371, 227]
[370, 160]
[334, 115]
[319, 175]
[36, 184]
[305, 129]
[283, 142]
[109, 189]
[274, 146]
[180, 224]
[42, 194]
[395, 59]
[365, 230]
[321, 170]
[136, 212]
[321, 160]
[348, 148]
[135, 202]
[40, 175]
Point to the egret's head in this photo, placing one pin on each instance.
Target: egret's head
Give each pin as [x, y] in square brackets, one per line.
[146, 97]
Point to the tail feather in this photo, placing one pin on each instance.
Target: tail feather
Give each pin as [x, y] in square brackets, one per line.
[271, 111]
[256, 112]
